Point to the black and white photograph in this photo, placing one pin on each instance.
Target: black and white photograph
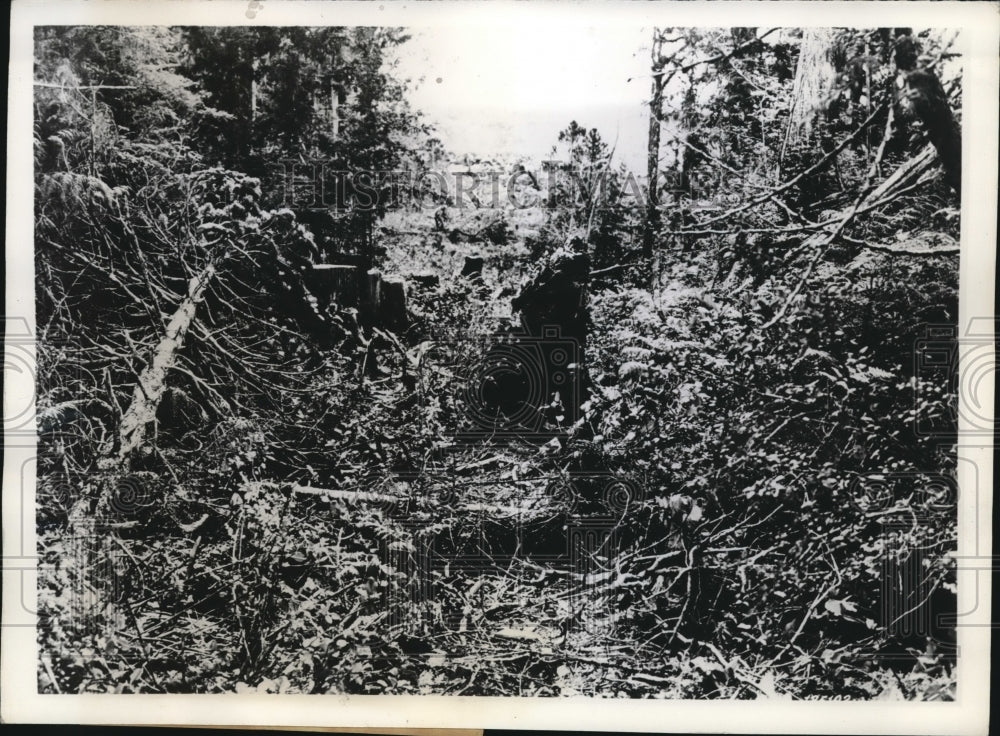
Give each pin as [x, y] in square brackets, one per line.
[571, 362]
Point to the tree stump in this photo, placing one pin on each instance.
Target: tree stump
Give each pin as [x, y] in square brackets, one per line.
[473, 268]
[553, 311]
[426, 279]
[336, 284]
[441, 219]
[392, 304]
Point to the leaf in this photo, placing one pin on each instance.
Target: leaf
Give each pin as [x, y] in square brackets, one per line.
[706, 665]
[766, 687]
[697, 513]
[839, 607]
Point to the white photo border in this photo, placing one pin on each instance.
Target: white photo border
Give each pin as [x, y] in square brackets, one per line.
[980, 26]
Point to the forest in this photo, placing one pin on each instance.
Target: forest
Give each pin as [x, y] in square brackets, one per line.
[325, 407]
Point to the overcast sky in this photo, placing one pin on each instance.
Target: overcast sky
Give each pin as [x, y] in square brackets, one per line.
[510, 89]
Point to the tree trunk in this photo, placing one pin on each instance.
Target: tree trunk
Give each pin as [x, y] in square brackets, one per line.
[815, 77]
[653, 154]
[153, 379]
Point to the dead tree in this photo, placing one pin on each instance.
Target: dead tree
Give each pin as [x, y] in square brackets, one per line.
[554, 314]
[153, 380]
[922, 96]
[653, 149]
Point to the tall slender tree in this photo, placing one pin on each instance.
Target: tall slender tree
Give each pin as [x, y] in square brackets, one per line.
[657, 64]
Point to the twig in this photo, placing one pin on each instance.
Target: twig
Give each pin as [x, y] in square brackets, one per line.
[809, 612]
[687, 596]
[611, 269]
[478, 464]
[346, 495]
[720, 57]
[866, 195]
[730, 667]
[882, 248]
[48, 671]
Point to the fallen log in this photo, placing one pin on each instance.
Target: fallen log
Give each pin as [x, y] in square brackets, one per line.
[339, 495]
[153, 379]
[911, 173]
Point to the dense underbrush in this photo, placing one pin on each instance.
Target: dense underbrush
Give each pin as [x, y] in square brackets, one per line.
[743, 528]
[245, 483]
